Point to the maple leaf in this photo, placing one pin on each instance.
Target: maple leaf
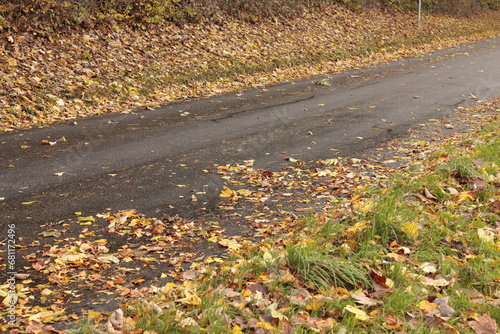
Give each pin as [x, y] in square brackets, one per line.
[226, 192]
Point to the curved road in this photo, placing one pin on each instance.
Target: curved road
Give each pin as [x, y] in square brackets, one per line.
[137, 160]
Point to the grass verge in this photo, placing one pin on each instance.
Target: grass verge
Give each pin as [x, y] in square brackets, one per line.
[418, 252]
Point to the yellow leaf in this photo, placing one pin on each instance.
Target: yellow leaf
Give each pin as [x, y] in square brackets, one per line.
[411, 229]
[265, 325]
[93, 315]
[277, 314]
[191, 299]
[46, 292]
[486, 235]
[427, 307]
[244, 192]
[169, 287]
[358, 227]
[226, 192]
[342, 291]
[315, 304]
[356, 197]
[358, 313]
[464, 196]
[389, 282]
[397, 257]
[86, 219]
[246, 293]
[230, 243]
[236, 330]
[287, 277]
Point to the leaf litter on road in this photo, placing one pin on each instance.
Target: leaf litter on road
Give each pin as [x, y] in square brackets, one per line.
[349, 214]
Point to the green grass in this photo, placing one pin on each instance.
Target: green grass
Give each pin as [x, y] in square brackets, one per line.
[313, 271]
[322, 270]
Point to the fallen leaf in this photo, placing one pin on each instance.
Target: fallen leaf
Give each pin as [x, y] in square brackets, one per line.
[115, 322]
[495, 205]
[51, 233]
[392, 323]
[429, 195]
[428, 268]
[436, 281]
[411, 229]
[444, 309]
[358, 313]
[46, 142]
[315, 304]
[226, 192]
[86, 219]
[486, 235]
[428, 307]
[364, 300]
[483, 324]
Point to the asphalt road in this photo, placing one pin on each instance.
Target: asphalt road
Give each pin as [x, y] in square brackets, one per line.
[138, 160]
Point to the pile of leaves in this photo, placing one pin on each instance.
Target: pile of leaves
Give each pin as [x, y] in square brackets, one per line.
[48, 77]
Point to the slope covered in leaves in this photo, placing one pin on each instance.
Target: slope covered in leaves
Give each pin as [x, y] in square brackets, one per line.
[47, 77]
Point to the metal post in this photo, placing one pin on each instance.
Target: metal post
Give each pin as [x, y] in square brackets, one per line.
[419, 11]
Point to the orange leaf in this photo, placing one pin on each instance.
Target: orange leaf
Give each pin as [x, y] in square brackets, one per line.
[226, 192]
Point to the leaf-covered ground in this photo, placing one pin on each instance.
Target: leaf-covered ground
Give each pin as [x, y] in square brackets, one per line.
[48, 77]
[401, 253]
[409, 237]
[409, 244]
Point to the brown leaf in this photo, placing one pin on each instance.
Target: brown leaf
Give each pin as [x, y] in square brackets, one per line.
[476, 184]
[379, 279]
[429, 195]
[380, 286]
[364, 300]
[392, 323]
[483, 325]
[379, 291]
[36, 328]
[258, 287]
[445, 310]
[495, 206]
